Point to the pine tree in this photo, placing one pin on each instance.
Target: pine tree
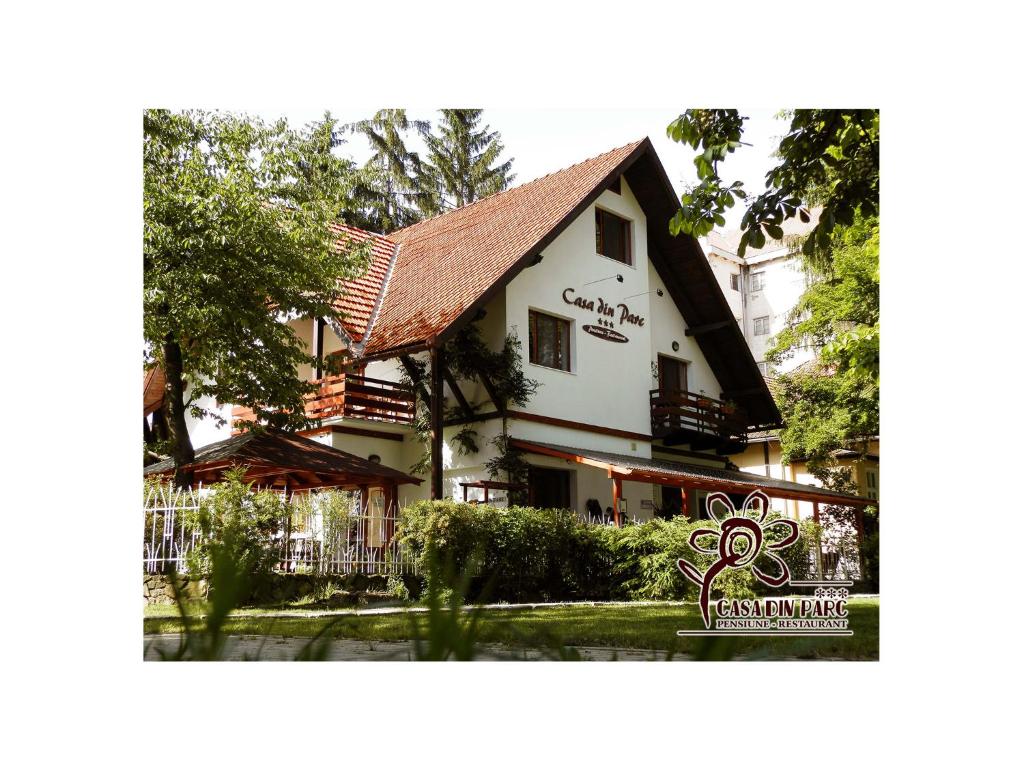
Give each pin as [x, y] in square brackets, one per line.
[388, 186]
[461, 161]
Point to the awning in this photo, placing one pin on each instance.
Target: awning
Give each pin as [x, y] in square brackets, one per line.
[277, 458]
[636, 469]
[153, 383]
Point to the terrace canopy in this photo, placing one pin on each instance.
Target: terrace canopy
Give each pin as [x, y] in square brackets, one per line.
[277, 459]
[684, 476]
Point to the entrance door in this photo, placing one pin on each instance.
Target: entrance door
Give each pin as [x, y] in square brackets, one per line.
[549, 488]
[671, 374]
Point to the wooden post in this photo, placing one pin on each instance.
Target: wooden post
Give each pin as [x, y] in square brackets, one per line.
[390, 511]
[821, 558]
[318, 347]
[859, 517]
[616, 495]
[436, 423]
[684, 508]
[364, 512]
[487, 495]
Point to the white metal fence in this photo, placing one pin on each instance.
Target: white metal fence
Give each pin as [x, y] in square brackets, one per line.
[311, 537]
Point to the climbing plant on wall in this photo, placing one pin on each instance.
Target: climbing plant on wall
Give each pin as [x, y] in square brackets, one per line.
[470, 359]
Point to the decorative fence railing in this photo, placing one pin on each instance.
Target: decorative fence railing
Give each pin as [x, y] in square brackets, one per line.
[310, 537]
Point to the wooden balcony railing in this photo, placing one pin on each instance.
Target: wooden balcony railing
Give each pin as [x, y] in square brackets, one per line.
[678, 412]
[353, 396]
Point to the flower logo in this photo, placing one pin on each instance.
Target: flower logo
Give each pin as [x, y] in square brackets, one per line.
[740, 539]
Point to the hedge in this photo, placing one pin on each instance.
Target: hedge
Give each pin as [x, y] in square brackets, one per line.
[524, 554]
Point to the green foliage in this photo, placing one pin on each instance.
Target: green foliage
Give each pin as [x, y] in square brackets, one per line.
[525, 554]
[469, 358]
[462, 161]
[236, 234]
[236, 527]
[834, 404]
[828, 157]
[388, 191]
[508, 464]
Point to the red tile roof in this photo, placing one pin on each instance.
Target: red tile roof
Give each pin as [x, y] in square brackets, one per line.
[360, 296]
[447, 263]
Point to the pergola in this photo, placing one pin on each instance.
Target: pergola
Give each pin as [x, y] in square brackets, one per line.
[289, 462]
[686, 476]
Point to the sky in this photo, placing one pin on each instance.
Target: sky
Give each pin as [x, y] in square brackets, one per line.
[542, 141]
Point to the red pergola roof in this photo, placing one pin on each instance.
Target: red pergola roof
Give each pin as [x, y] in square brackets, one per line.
[274, 457]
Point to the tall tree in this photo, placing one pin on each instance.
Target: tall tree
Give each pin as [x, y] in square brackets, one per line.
[236, 236]
[835, 403]
[462, 161]
[388, 190]
[828, 157]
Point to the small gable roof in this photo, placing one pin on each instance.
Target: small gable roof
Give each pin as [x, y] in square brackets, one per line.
[272, 452]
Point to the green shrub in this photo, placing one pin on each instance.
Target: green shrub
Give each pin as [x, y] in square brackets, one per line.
[525, 554]
[238, 524]
[519, 554]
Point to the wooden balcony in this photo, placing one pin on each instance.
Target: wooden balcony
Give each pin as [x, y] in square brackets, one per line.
[679, 417]
[352, 396]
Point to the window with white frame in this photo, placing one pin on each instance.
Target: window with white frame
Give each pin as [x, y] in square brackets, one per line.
[757, 281]
[761, 326]
[734, 281]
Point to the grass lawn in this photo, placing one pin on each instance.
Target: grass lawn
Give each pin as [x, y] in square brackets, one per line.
[621, 626]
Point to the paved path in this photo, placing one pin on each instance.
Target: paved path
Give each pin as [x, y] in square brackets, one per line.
[277, 648]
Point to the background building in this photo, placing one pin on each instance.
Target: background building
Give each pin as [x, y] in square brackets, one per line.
[762, 288]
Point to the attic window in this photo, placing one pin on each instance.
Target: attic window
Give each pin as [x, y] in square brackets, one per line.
[613, 237]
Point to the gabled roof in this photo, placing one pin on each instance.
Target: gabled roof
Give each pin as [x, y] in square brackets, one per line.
[271, 452]
[452, 263]
[448, 267]
[361, 295]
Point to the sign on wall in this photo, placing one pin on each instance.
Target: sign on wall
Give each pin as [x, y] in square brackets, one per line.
[608, 315]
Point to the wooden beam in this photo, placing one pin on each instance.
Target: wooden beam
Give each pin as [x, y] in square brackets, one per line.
[491, 392]
[417, 381]
[616, 496]
[698, 330]
[346, 430]
[474, 418]
[453, 385]
[436, 423]
[583, 427]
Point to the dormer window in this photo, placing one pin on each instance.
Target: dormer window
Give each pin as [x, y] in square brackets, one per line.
[613, 237]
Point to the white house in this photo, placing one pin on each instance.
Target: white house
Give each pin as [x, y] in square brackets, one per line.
[646, 383]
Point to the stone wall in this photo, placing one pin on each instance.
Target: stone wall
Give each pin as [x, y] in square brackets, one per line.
[335, 591]
[156, 588]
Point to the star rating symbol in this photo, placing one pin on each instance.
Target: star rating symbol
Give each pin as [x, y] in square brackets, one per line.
[832, 593]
